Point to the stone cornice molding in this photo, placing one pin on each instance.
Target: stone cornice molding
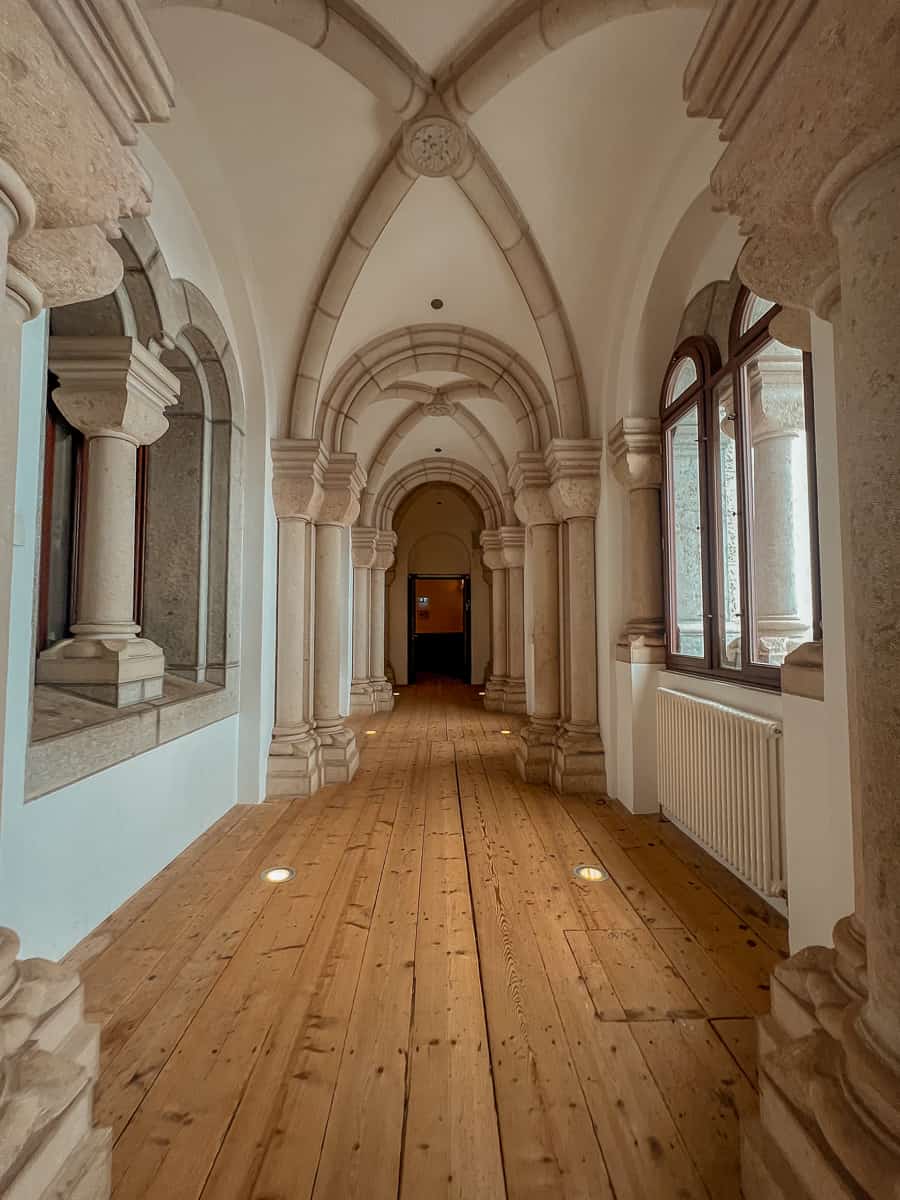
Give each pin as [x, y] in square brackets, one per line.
[385, 549]
[342, 487]
[111, 49]
[298, 474]
[635, 452]
[574, 466]
[491, 543]
[98, 64]
[530, 480]
[363, 546]
[512, 542]
[768, 71]
[112, 387]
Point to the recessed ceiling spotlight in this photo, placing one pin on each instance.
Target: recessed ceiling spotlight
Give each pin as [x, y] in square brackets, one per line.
[437, 302]
[277, 874]
[590, 874]
[439, 449]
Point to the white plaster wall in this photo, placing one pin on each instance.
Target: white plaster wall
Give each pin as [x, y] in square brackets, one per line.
[438, 534]
[69, 858]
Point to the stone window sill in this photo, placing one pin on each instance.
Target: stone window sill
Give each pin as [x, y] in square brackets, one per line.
[73, 737]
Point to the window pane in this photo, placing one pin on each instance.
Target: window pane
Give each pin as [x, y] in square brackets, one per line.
[684, 377]
[780, 566]
[685, 566]
[754, 310]
[727, 530]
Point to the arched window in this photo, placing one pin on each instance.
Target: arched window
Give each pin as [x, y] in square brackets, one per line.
[739, 531]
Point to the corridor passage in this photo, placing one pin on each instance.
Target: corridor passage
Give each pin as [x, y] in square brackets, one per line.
[434, 1006]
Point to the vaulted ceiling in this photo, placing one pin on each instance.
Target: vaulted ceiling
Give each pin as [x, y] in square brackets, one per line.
[585, 165]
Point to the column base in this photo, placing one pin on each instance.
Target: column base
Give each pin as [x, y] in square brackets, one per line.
[829, 1117]
[578, 763]
[383, 695]
[49, 1062]
[294, 767]
[362, 699]
[494, 693]
[115, 671]
[338, 753]
[514, 696]
[534, 749]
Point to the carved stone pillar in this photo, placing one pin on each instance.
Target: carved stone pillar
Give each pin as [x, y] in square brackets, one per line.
[530, 480]
[634, 447]
[777, 434]
[382, 688]
[492, 557]
[49, 1060]
[116, 393]
[344, 480]
[298, 476]
[826, 235]
[578, 758]
[513, 549]
[362, 549]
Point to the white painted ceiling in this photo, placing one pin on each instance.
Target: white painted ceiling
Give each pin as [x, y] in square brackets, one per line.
[274, 142]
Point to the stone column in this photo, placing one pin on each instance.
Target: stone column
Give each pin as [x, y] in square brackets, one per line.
[513, 550]
[826, 236]
[634, 447]
[362, 549]
[298, 476]
[777, 434]
[534, 749]
[382, 688]
[116, 392]
[492, 557]
[344, 481]
[578, 758]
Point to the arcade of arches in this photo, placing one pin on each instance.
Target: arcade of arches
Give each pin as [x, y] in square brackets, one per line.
[446, 447]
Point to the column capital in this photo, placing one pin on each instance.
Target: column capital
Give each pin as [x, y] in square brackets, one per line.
[768, 71]
[298, 474]
[112, 387]
[775, 386]
[385, 549]
[635, 452]
[530, 480]
[342, 488]
[492, 550]
[363, 546]
[512, 541]
[574, 467]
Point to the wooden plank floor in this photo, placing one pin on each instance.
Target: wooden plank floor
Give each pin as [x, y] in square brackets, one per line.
[435, 1006]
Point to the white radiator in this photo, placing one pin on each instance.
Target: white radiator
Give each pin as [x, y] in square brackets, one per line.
[720, 776]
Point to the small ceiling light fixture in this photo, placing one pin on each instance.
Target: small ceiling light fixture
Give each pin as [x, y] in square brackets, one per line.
[437, 303]
[277, 874]
[590, 874]
[439, 449]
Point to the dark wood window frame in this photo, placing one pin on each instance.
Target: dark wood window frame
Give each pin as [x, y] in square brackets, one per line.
[743, 346]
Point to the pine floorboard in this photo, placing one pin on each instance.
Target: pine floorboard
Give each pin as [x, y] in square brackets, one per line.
[434, 1007]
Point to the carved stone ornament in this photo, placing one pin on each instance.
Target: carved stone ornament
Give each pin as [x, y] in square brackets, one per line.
[433, 145]
[438, 406]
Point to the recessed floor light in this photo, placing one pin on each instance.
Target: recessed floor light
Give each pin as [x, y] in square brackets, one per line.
[506, 731]
[481, 693]
[396, 693]
[371, 732]
[278, 874]
[590, 874]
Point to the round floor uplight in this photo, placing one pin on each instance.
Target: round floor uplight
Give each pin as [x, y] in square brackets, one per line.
[371, 732]
[277, 874]
[506, 732]
[589, 873]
